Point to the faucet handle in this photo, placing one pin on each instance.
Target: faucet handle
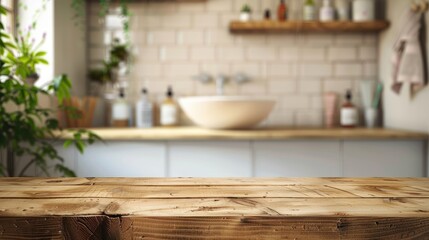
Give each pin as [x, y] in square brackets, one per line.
[241, 78]
[202, 77]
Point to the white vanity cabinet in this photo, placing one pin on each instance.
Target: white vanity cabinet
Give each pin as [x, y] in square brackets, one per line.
[122, 159]
[381, 158]
[289, 158]
[297, 158]
[183, 152]
[209, 159]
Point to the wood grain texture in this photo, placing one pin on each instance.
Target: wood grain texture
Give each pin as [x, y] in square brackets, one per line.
[193, 133]
[278, 228]
[186, 181]
[169, 192]
[233, 208]
[310, 26]
[31, 227]
[105, 228]
[200, 207]
[76, 227]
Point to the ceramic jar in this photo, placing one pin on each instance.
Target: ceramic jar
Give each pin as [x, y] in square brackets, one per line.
[363, 10]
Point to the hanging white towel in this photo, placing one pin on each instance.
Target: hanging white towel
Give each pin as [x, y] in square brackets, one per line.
[408, 64]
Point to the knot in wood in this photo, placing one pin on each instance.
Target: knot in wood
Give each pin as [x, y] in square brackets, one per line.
[111, 209]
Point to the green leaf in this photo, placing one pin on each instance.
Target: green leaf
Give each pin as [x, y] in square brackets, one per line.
[67, 143]
[61, 85]
[65, 170]
[40, 54]
[3, 10]
[80, 145]
[43, 61]
[10, 45]
[52, 123]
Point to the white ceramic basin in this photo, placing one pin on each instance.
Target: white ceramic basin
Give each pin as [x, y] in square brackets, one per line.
[227, 112]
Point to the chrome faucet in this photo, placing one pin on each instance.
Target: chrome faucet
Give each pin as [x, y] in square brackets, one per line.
[221, 80]
[220, 83]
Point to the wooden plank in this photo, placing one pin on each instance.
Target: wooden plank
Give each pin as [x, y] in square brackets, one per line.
[36, 181]
[147, 192]
[299, 207]
[31, 228]
[233, 228]
[309, 26]
[276, 228]
[276, 208]
[194, 133]
[385, 181]
[103, 227]
[79, 227]
[93, 227]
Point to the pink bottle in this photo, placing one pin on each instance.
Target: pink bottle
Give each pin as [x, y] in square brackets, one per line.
[330, 100]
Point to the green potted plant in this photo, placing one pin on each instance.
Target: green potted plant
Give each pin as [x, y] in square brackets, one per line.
[246, 13]
[108, 72]
[26, 128]
[105, 7]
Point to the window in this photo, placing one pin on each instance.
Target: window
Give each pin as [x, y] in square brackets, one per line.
[9, 19]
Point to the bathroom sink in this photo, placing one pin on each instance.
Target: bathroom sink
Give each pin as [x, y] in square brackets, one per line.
[227, 112]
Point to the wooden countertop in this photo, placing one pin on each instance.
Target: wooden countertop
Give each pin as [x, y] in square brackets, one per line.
[194, 133]
[187, 208]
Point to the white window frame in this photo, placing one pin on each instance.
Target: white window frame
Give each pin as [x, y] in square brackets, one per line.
[11, 14]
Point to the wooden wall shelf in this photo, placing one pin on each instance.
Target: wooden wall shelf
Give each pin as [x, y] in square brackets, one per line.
[300, 26]
[151, 1]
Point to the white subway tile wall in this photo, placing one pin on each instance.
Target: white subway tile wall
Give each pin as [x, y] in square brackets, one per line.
[174, 41]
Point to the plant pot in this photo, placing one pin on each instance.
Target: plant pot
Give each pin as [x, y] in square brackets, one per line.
[82, 114]
[245, 16]
[32, 79]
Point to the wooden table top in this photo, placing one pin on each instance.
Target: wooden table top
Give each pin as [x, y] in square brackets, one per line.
[195, 133]
[236, 208]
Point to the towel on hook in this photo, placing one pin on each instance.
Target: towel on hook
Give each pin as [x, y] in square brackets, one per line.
[408, 63]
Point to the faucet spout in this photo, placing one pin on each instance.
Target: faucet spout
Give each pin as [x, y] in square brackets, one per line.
[220, 83]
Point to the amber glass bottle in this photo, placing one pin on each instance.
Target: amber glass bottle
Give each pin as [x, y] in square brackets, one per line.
[349, 113]
[282, 11]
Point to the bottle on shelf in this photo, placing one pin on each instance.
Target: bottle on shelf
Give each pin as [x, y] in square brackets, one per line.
[267, 14]
[282, 11]
[343, 10]
[121, 111]
[169, 110]
[349, 112]
[363, 10]
[309, 10]
[144, 111]
[327, 12]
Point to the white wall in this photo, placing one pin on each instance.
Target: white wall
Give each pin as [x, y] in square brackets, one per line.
[175, 40]
[69, 46]
[400, 111]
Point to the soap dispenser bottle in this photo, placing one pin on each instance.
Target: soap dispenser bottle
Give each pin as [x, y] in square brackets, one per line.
[169, 110]
[309, 10]
[144, 111]
[121, 111]
[349, 113]
[327, 12]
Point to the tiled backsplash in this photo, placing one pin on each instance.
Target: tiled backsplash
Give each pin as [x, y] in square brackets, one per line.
[174, 41]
